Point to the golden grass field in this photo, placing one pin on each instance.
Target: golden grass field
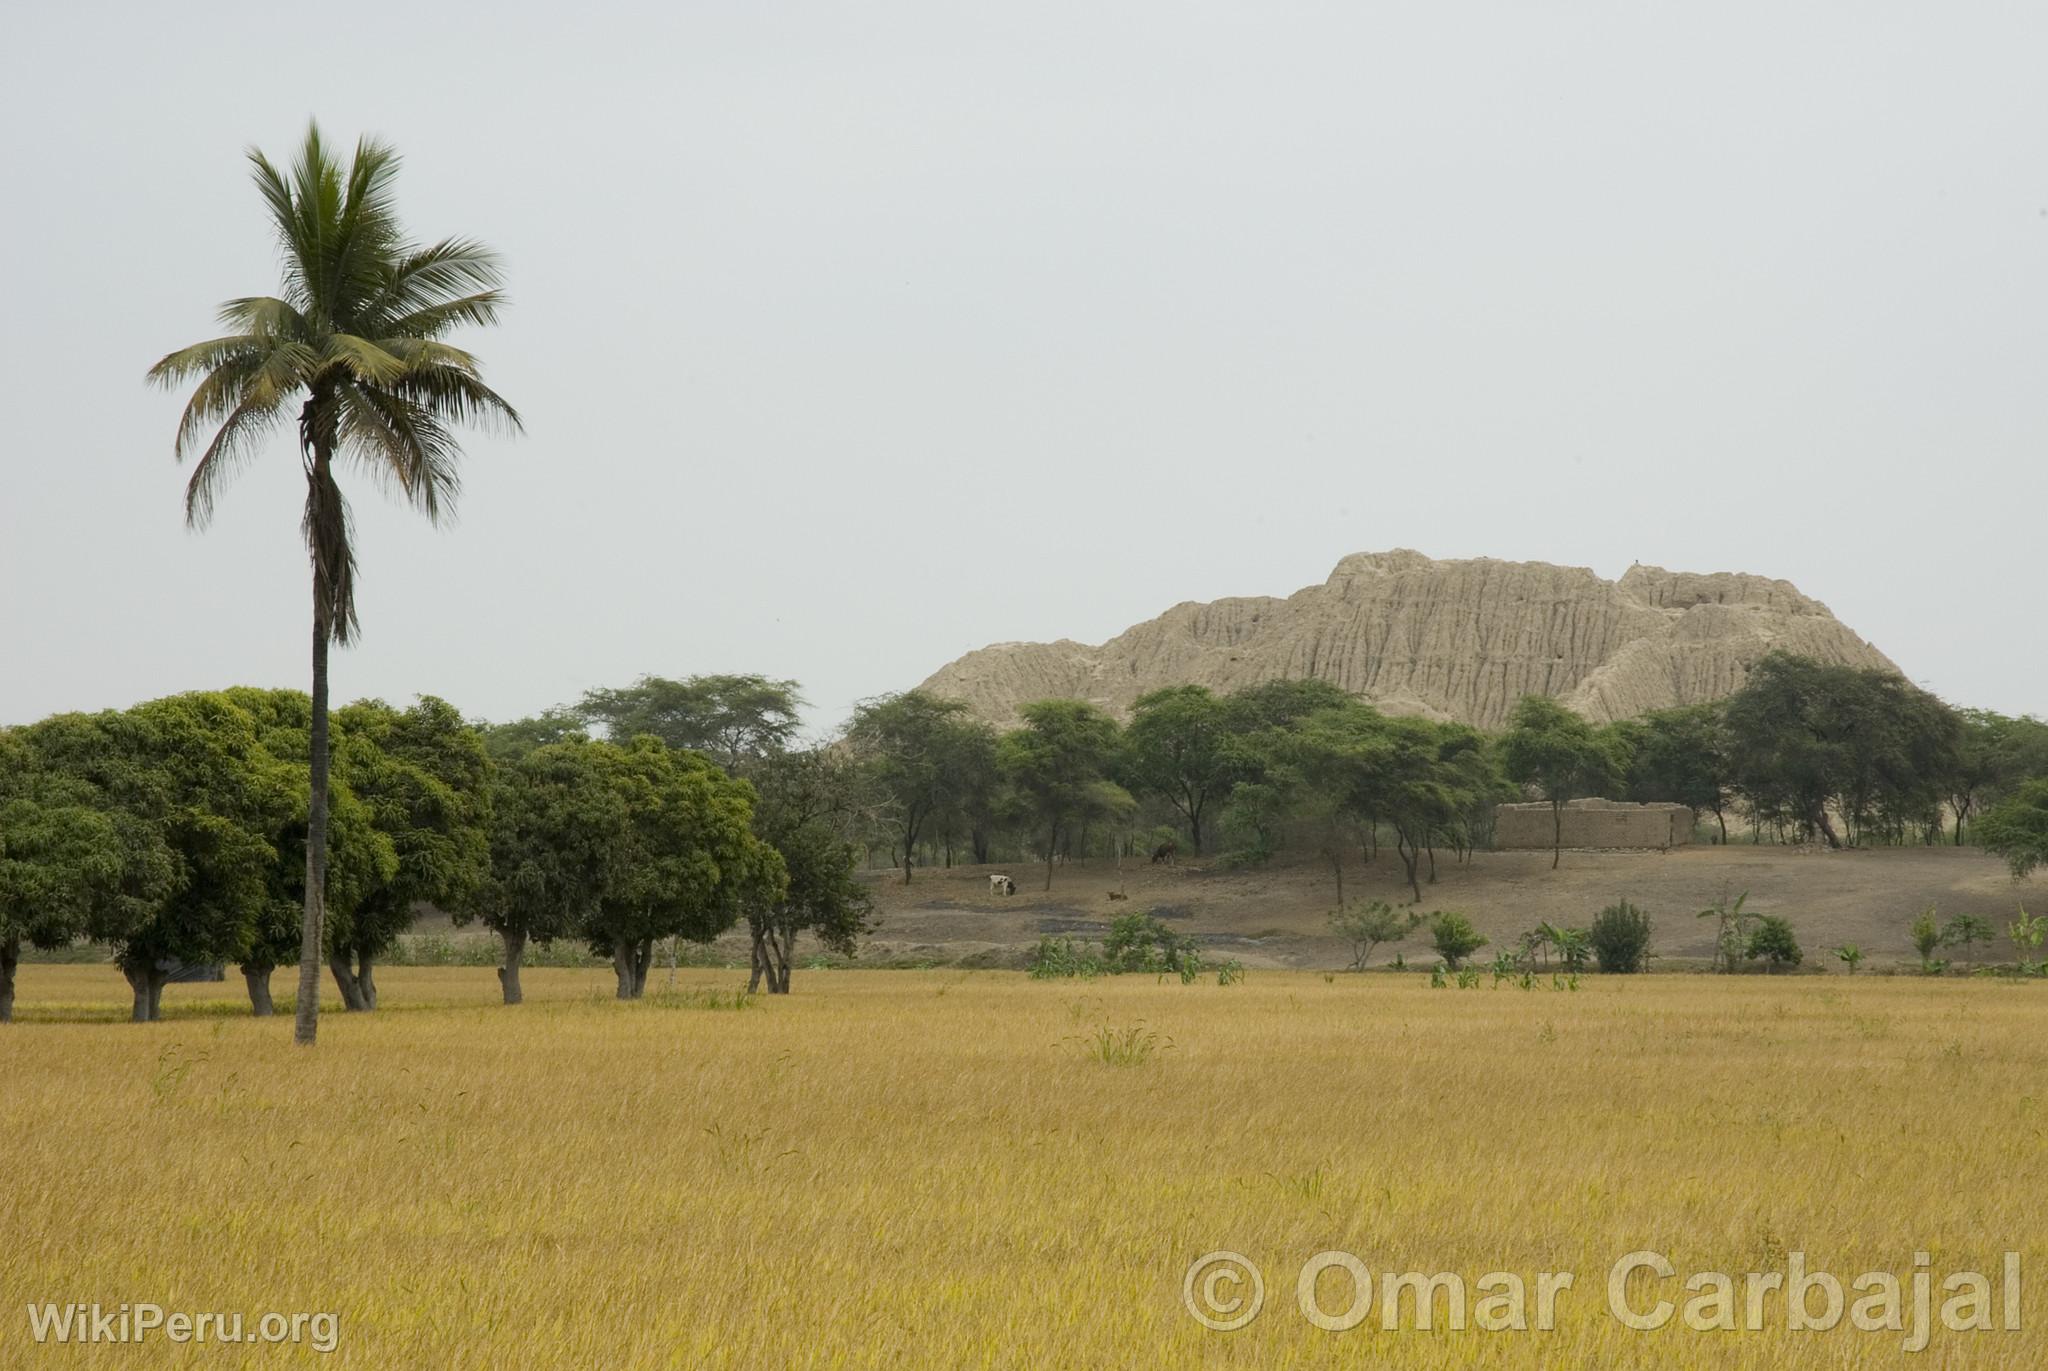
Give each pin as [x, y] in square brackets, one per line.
[931, 1169]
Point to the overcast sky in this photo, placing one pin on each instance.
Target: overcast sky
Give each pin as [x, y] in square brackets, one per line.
[850, 337]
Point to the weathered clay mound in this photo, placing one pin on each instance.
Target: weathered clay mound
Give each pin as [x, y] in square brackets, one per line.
[1453, 639]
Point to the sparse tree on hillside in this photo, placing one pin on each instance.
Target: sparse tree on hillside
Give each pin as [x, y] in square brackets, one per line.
[734, 720]
[2016, 828]
[1368, 925]
[1058, 764]
[912, 742]
[1178, 746]
[1559, 755]
[1679, 756]
[352, 355]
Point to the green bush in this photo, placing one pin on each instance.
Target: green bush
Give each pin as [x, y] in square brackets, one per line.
[1772, 940]
[1454, 937]
[1141, 943]
[1062, 959]
[1621, 938]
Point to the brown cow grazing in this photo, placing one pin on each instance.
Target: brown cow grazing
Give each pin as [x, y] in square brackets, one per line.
[1166, 851]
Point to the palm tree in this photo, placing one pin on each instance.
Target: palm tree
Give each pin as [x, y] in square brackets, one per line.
[354, 342]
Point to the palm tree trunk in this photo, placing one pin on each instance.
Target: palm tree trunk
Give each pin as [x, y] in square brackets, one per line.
[307, 1026]
[10, 958]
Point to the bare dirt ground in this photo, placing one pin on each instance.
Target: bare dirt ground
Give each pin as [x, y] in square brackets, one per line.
[1278, 916]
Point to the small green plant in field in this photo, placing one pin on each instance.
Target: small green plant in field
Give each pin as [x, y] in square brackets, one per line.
[1063, 959]
[1504, 966]
[2027, 933]
[1849, 954]
[1454, 937]
[1772, 941]
[703, 997]
[1132, 1046]
[1926, 935]
[1468, 979]
[172, 1067]
[1620, 938]
[1735, 923]
[1232, 971]
[1965, 930]
[1436, 978]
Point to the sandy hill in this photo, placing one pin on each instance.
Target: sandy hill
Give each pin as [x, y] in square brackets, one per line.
[1448, 639]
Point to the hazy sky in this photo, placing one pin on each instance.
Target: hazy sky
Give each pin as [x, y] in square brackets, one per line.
[851, 337]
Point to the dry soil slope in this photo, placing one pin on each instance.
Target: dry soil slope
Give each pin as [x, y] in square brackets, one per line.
[1450, 639]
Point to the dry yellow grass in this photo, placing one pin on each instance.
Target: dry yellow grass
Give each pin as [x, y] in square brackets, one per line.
[930, 1170]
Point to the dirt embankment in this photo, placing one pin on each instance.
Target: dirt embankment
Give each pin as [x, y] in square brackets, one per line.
[1278, 916]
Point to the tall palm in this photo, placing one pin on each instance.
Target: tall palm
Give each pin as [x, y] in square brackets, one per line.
[353, 344]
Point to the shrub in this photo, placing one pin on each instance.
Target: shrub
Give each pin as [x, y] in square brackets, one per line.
[1366, 926]
[1140, 942]
[1454, 937]
[1773, 941]
[1926, 934]
[1062, 958]
[1850, 954]
[1621, 938]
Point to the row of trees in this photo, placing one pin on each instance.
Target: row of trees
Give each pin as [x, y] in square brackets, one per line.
[1803, 752]
[175, 833]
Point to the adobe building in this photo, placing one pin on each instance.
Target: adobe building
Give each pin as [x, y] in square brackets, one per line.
[1593, 823]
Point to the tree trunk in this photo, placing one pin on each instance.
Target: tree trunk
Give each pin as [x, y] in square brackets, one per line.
[1556, 834]
[1827, 830]
[1195, 828]
[1336, 856]
[306, 1027]
[365, 981]
[1052, 843]
[345, 980]
[10, 958]
[1432, 863]
[758, 937]
[643, 960]
[258, 980]
[622, 967]
[508, 974]
[1723, 820]
[148, 984]
[784, 945]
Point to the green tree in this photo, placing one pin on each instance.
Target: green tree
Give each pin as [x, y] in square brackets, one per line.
[353, 351]
[1773, 941]
[556, 829]
[1454, 938]
[912, 741]
[1620, 937]
[515, 738]
[734, 720]
[1679, 756]
[685, 862]
[1178, 746]
[810, 801]
[2016, 828]
[1368, 925]
[1560, 756]
[1850, 956]
[1965, 931]
[420, 774]
[69, 866]
[1058, 765]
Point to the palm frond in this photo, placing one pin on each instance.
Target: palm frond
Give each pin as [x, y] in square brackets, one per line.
[205, 358]
[232, 446]
[362, 359]
[265, 315]
[480, 310]
[454, 395]
[431, 276]
[402, 444]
